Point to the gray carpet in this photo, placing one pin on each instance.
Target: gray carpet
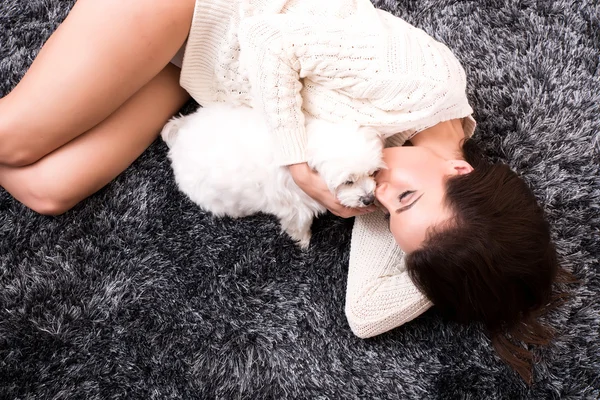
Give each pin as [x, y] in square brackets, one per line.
[136, 294]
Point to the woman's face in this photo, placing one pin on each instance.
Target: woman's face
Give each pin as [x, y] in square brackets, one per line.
[412, 190]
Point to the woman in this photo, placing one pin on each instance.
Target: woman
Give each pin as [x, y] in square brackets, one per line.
[95, 98]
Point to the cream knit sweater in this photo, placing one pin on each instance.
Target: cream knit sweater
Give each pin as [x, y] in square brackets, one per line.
[339, 60]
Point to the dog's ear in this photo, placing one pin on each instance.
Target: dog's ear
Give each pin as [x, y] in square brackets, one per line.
[169, 131]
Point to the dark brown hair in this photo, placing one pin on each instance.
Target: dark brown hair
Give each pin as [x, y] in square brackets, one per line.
[494, 262]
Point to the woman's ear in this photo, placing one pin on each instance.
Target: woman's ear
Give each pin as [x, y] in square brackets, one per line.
[459, 167]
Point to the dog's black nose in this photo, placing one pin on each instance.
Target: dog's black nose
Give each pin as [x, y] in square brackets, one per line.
[368, 199]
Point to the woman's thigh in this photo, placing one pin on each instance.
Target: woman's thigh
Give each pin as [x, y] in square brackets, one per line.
[102, 54]
[76, 170]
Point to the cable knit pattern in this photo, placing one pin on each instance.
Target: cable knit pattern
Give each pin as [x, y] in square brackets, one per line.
[339, 60]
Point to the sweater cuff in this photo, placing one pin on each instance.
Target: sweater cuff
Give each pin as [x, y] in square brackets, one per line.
[292, 147]
[469, 125]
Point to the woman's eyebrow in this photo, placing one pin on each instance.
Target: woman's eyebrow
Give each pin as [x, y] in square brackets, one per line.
[401, 209]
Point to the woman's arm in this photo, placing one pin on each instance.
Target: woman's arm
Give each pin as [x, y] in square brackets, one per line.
[275, 66]
[380, 295]
[274, 74]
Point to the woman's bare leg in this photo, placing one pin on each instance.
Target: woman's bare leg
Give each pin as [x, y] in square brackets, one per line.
[102, 54]
[74, 171]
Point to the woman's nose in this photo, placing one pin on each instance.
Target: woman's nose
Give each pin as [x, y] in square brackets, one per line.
[380, 175]
[380, 196]
[380, 190]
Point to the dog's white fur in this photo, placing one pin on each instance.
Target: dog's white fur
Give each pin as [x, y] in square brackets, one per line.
[223, 159]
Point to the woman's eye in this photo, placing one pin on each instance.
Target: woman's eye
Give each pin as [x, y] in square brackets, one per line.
[405, 195]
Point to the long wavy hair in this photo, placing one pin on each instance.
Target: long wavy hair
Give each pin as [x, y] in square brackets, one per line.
[494, 262]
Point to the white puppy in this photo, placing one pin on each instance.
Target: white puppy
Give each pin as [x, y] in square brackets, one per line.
[223, 159]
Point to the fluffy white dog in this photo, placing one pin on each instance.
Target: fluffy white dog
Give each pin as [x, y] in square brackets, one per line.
[223, 159]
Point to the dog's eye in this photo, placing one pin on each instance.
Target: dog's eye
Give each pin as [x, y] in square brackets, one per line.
[350, 182]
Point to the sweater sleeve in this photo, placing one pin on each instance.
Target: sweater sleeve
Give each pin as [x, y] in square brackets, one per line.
[274, 74]
[380, 295]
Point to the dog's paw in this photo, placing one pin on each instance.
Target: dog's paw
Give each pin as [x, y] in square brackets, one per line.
[302, 239]
[304, 243]
[298, 229]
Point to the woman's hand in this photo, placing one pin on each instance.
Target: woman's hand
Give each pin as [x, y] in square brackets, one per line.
[314, 186]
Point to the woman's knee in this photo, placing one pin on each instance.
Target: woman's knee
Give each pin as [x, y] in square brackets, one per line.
[14, 151]
[49, 207]
[45, 196]
[47, 204]
[13, 156]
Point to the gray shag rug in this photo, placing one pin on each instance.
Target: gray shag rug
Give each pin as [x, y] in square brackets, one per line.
[136, 294]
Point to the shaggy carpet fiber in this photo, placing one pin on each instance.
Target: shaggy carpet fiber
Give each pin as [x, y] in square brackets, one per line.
[136, 294]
